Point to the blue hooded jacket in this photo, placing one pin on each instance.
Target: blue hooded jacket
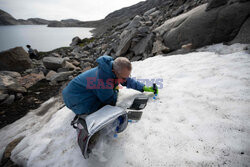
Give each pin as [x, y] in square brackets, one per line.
[94, 88]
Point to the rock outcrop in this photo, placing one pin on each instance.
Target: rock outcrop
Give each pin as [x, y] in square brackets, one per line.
[53, 63]
[16, 59]
[201, 27]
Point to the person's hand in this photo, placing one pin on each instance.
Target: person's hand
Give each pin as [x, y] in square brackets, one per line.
[116, 89]
[150, 89]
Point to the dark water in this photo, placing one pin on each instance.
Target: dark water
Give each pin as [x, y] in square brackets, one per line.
[40, 37]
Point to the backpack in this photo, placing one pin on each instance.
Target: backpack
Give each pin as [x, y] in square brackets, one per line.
[89, 127]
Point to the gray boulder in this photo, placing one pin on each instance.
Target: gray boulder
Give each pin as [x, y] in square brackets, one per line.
[244, 34]
[154, 14]
[135, 23]
[50, 74]
[204, 28]
[70, 66]
[143, 46]
[125, 40]
[15, 59]
[9, 82]
[215, 3]
[149, 12]
[32, 79]
[136, 58]
[62, 76]
[53, 63]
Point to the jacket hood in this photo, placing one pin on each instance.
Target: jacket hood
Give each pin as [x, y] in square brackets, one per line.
[105, 66]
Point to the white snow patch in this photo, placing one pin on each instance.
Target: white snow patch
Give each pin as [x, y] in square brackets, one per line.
[201, 118]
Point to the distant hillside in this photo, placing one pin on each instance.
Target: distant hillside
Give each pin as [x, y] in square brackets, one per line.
[7, 19]
[117, 17]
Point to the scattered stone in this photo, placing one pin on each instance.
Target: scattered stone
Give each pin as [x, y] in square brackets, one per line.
[159, 48]
[136, 58]
[105, 46]
[91, 45]
[149, 12]
[69, 66]
[62, 76]
[75, 41]
[62, 70]
[50, 74]
[31, 79]
[88, 60]
[53, 63]
[8, 83]
[154, 14]
[86, 53]
[85, 64]
[76, 63]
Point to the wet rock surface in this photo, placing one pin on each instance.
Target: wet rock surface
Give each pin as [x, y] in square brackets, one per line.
[35, 96]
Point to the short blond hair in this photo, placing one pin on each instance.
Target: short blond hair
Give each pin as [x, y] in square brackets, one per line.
[120, 63]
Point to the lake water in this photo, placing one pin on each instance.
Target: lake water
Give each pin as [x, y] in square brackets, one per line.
[40, 37]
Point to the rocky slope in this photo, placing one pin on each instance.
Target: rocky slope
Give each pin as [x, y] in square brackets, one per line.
[118, 17]
[178, 27]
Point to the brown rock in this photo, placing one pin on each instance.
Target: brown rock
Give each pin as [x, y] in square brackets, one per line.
[76, 63]
[69, 66]
[9, 82]
[159, 48]
[29, 80]
[16, 59]
[50, 74]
